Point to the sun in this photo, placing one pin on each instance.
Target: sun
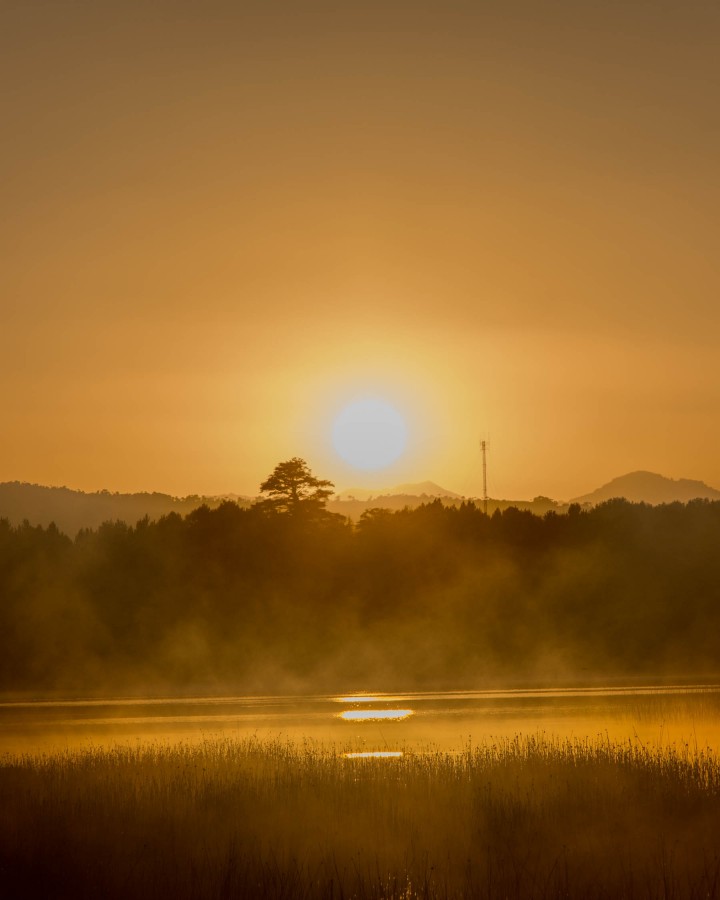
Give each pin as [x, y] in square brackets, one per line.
[369, 434]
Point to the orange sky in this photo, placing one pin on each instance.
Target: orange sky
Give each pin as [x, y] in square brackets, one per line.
[222, 221]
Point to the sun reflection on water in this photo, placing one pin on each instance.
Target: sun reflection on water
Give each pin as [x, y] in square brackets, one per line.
[369, 715]
[359, 698]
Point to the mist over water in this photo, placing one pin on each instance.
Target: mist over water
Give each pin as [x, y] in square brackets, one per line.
[377, 724]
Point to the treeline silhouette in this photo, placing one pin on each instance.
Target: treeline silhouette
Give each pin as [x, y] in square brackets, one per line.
[239, 600]
[73, 510]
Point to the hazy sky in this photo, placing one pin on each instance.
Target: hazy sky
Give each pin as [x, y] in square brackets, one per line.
[222, 221]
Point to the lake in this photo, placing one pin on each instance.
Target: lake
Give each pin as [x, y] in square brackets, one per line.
[378, 724]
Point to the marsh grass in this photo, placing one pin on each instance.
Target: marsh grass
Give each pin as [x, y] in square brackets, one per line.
[527, 817]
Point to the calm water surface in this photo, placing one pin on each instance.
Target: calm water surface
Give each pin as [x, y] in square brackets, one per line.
[386, 724]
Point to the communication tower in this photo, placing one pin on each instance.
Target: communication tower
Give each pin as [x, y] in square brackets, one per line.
[483, 447]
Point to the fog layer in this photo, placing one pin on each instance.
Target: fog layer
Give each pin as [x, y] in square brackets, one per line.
[238, 601]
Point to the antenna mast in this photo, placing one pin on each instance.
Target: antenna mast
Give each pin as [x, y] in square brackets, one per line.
[484, 456]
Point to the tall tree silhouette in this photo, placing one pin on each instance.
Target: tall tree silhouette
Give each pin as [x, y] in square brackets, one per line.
[292, 488]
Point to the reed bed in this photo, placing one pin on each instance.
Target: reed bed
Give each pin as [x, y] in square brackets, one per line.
[530, 817]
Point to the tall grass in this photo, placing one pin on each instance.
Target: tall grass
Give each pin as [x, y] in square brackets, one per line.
[528, 817]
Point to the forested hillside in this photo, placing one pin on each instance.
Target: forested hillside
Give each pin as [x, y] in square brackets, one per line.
[236, 599]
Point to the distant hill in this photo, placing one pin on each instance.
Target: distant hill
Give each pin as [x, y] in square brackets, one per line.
[353, 507]
[72, 510]
[419, 489]
[648, 487]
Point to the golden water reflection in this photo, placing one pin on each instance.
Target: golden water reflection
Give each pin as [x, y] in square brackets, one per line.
[374, 715]
[659, 716]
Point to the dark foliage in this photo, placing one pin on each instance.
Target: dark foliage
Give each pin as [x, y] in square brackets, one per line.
[235, 599]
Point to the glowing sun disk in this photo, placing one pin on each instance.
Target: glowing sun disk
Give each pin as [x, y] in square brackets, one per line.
[369, 434]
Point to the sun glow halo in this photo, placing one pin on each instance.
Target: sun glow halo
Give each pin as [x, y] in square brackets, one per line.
[369, 434]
